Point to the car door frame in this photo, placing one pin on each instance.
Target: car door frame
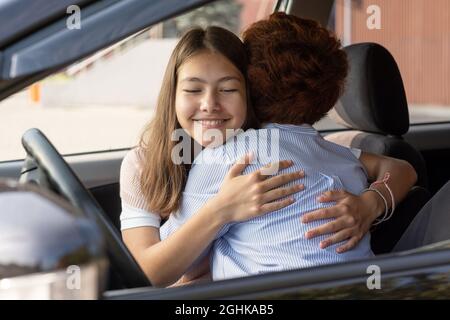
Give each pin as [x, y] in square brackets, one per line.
[51, 47]
[401, 276]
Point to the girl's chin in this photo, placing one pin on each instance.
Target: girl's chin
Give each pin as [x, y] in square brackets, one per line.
[214, 138]
[210, 143]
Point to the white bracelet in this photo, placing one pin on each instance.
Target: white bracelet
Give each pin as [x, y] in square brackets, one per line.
[392, 202]
[391, 194]
[386, 208]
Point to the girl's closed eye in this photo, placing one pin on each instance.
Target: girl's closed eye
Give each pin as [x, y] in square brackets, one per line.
[192, 90]
[228, 90]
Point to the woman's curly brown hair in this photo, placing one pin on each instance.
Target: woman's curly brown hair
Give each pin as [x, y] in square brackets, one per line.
[297, 69]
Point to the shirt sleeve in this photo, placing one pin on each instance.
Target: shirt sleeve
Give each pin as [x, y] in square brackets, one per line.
[134, 218]
[134, 206]
[356, 152]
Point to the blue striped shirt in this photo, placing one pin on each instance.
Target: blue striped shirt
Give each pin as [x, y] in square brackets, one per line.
[275, 241]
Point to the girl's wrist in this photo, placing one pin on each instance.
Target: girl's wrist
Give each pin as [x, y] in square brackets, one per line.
[215, 211]
[374, 203]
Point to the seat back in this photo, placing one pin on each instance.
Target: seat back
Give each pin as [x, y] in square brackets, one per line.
[374, 105]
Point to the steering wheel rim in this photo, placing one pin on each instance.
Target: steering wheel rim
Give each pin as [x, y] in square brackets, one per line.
[63, 179]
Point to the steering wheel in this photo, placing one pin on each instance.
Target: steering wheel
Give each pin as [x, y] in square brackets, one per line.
[56, 174]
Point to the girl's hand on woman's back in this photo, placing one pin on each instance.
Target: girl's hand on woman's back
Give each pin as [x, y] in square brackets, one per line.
[355, 214]
[353, 218]
[242, 197]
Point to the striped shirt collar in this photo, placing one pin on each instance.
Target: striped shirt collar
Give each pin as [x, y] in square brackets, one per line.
[303, 128]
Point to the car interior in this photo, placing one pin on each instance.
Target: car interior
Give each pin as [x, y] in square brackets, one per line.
[373, 110]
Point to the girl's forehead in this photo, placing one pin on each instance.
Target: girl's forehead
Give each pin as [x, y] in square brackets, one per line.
[209, 63]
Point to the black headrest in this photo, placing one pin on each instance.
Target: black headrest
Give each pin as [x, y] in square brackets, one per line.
[374, 99]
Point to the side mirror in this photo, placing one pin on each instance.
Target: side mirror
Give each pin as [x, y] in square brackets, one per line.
[48, 250]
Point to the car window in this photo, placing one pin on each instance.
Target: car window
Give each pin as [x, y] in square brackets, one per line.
[104, 101]
[417, 34]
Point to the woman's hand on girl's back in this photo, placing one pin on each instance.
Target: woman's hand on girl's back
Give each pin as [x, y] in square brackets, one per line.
[242, 197]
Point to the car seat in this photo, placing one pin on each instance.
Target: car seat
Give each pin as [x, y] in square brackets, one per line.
[374, 106]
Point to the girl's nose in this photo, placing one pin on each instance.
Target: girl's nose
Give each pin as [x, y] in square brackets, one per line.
[210, 103]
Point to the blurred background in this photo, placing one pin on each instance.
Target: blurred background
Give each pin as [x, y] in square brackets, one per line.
[103, 102]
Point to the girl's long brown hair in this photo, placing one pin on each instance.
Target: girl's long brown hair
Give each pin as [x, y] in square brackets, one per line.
[161, 180]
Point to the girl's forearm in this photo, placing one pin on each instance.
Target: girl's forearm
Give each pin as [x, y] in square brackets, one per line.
[402, 177]
[166, 261]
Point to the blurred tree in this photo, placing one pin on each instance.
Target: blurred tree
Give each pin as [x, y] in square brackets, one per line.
[223, 13]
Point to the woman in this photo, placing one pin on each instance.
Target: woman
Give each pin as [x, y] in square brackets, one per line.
[205, 85]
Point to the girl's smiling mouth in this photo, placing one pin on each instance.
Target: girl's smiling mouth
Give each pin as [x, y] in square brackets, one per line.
[210, 123]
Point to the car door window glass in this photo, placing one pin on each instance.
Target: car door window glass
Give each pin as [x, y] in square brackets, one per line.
[104, 101]
[417, 34]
